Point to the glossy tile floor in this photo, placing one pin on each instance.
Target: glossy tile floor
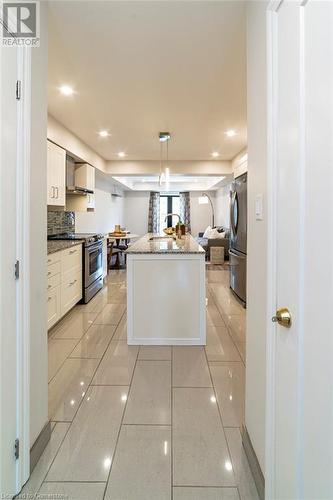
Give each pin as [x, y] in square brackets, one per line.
[145, 423]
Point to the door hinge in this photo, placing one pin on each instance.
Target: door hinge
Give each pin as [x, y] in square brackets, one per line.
[17, 269]
[18, 90]
[17, 449]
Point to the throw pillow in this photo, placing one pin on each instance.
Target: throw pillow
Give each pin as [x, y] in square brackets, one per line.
[221, 235]
[215, 234]
[207, 232]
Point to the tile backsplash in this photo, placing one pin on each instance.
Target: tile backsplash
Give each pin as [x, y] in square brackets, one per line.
[60, 222]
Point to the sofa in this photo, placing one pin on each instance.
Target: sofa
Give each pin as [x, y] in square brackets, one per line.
[207, 243]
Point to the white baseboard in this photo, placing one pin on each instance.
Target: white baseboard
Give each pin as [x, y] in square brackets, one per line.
[254, 464]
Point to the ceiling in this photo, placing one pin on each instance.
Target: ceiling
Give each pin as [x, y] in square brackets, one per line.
[176, 182]
[138, 68]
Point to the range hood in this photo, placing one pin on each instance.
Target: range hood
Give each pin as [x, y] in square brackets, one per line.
[71, 187]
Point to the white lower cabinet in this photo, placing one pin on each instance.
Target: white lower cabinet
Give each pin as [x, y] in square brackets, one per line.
[64, 284]
[71, 259]
[71, 290]
[53, 306]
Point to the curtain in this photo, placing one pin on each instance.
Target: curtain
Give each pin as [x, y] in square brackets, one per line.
[154, 213]
[185, 211]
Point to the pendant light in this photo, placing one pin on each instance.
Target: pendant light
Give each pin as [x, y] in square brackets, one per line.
[164, 137]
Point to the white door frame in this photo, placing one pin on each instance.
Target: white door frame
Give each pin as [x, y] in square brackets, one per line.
[271, 253]
[21, 236]
[272, 305]
[23, 255]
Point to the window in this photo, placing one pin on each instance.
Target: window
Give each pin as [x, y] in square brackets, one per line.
[169, 204]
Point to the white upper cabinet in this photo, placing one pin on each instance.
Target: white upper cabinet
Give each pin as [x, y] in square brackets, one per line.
[85, 176]
[56, 175]
[91, 201]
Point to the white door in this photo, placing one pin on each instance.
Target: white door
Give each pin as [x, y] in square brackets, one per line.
[299, 460]
[8, 347]
[14, 304]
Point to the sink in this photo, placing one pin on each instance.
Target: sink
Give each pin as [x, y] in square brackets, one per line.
[154, 238]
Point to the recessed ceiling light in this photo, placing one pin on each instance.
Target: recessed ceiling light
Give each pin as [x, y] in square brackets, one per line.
[121, 154]
[103, 133]
[230, 133]
[228, 465]
[66, 90]
[107, 462]
[215, 154]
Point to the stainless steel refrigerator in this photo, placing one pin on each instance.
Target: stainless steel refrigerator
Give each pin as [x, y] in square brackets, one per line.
[238, 237]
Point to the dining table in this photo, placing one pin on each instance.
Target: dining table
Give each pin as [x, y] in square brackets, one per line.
[117, 240]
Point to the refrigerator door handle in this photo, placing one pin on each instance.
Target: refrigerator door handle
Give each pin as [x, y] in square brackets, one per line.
[243, 257]
[232, 205]
[233, 225]
[236, 202]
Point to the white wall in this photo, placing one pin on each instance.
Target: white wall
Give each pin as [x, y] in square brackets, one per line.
[222, 206]
[239, 163]
[201, 215]
[38, 235]
[109, 210]
[136, 211]
[59, 134]
[257, 230]
[136, 205]
[192, 167]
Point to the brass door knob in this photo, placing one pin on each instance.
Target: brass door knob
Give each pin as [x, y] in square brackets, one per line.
[283, 317]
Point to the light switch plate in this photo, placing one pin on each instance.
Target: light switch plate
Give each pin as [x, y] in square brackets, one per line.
[259, 207]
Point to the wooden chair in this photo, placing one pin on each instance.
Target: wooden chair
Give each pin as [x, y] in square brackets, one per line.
[113, 251]
[109, 252]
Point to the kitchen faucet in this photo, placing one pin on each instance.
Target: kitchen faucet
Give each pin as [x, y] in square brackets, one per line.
[179, 232]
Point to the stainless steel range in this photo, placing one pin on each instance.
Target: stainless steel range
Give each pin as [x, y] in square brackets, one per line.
[92, 264]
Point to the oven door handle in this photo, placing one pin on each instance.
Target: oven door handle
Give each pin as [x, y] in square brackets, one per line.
[94, 247]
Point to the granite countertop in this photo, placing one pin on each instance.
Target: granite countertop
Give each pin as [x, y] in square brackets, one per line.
[165, 245]
[57, 245]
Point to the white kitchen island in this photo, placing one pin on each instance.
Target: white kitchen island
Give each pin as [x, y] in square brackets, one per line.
[166, 299]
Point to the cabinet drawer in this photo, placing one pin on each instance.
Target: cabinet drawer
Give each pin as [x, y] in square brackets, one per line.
[53, 306]
[53, 257]
[71, 290]
[53, 269]
[53, 281]
[71, 259]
